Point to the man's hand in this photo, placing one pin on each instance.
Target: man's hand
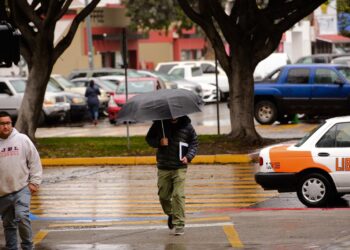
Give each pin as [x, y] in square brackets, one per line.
[184, 160]
[33, 187]
[164, 141]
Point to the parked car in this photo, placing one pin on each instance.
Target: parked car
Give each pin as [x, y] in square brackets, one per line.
[79, 73]
[269, 64]
[310, 89]
[117, 80]
[195, 74]
[135, 86]
[78, 105]
[165, 82]
[317, 167]
[180, 82]
[55, 105]
[319, 58]
[344, 60]
[207, 66]
[107, 88]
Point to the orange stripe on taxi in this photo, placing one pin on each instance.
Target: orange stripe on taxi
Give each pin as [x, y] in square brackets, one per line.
[283, 160]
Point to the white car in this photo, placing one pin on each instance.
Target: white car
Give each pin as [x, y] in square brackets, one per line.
[12, 89]
[195, 74]
[317, 167]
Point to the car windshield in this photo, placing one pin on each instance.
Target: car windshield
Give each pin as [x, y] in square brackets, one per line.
[19, 85]
[308, 135]
[109, 85]
[138, 87]
[64, 82]
[131, 73]
[345, 72]
[52, 88]
[166, 77]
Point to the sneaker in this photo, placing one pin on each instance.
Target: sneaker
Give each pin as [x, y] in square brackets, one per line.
[170, 222]
[179, 231]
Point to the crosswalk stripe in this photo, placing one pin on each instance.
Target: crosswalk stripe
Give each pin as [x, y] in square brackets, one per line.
[132, 192]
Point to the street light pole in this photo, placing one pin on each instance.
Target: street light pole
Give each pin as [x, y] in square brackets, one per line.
[89, 38]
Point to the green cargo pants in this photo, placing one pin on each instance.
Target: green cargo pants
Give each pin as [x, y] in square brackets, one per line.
[171, 192]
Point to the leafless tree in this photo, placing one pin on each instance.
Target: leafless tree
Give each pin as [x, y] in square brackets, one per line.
[253, 30]
[37, 20]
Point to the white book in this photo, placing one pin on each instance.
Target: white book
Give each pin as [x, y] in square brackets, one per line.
[183, 146]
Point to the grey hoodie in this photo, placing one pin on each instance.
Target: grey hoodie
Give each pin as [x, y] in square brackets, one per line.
[19, 163]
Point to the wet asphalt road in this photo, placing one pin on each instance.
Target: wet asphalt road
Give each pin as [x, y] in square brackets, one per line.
[116, 207]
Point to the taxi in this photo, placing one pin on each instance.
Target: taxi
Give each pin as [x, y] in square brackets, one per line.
[317, 167]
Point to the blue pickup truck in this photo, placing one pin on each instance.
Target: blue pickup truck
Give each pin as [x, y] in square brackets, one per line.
[310, 89]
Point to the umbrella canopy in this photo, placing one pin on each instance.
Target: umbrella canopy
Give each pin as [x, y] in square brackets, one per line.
[160, 105]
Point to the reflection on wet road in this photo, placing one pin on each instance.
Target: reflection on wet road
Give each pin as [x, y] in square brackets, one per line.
[130, 193]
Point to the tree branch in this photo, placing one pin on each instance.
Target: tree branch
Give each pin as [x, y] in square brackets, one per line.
[64, 9]
[28, 12]
[303, 10]
[67, 40]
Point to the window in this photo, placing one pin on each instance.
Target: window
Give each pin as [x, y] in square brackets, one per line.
[196, 71]
[345, 72]
[166, 68]
[319, 60]
[338, 136]
[178, 72]
[80, 83]
[328, 139]
[207, 68]
[326, 76]
[342, 138]
[4, 89]
[273, 77]
[298, 76]
[19, 85]
[138, 87]
[78, 75]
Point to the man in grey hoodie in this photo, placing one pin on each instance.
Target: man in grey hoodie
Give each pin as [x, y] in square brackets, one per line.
[20, 175]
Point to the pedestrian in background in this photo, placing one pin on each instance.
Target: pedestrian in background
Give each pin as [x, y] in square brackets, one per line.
[20, 176]
[176, 143]
[92, 92]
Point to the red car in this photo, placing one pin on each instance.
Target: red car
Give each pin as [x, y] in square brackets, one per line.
[136, 86]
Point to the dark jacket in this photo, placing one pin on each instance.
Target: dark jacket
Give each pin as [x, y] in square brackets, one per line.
[92, 94]
[168, 156]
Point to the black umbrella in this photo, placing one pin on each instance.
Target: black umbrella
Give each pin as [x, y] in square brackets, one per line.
[160, 105]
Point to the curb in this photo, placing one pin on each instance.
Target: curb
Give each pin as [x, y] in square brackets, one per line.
[145, 160]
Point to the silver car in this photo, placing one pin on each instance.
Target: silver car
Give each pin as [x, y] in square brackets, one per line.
[55, 105]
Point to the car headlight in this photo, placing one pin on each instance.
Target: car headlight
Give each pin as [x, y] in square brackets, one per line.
[78, 100]
[49, 101]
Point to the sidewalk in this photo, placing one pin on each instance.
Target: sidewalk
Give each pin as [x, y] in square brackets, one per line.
[289, 131]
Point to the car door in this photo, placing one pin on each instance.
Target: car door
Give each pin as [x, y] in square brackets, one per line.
[296, 90]
[329, 94]
[333, 151]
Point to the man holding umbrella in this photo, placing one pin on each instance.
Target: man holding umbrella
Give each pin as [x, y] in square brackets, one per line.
[176, 143]
[175, 139]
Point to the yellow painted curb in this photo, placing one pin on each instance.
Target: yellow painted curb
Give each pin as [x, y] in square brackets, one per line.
[239, 158]
[140, 160]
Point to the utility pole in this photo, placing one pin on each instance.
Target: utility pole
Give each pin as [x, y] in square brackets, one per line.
[89, 38]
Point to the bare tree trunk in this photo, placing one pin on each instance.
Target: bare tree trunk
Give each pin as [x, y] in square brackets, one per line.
[242, 101]
[33, 97]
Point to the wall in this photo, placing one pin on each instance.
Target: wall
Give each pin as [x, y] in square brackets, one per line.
[298, 40]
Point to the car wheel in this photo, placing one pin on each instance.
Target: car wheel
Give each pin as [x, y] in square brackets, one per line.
[315, 190]
[265, 112]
